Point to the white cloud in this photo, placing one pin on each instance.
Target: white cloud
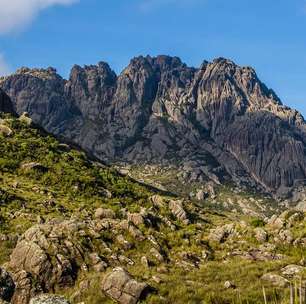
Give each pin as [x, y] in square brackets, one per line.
[150, 5]
[4, 67]
[15, 14]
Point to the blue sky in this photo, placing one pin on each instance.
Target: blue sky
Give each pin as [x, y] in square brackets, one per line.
[269, 35]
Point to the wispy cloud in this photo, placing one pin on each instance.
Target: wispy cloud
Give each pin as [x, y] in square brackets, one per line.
[16, 14]
[151, 5]
[4, 67]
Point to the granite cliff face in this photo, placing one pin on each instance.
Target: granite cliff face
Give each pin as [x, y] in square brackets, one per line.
[218, 122]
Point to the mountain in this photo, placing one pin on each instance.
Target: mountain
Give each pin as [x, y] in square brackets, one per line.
[75, 227]
[218, 122]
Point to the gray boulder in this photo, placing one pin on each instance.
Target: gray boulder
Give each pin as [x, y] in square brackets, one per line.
[121, 287]
[275, 280]
[177, 209]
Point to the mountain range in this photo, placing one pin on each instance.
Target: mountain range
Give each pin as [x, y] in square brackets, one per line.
[217, 123]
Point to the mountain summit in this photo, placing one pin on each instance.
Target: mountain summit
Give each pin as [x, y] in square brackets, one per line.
[219, 122]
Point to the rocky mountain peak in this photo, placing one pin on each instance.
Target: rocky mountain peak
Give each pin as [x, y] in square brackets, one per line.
[159, 109]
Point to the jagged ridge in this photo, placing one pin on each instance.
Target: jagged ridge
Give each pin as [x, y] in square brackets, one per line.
[219, 119]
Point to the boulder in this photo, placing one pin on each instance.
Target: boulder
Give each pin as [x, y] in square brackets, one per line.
[121, 287]
[102, 213]
[177, 209]
[5, 131]
[24, 118]
[220, 234]
[275, 280]
[136, 218]
[261, 235]
[157, 255]
[301, 206]
[49, 255]
[276, 222]
[158, 201]
[229, 284]
[286, 236]
[200, 195]
[292, 270]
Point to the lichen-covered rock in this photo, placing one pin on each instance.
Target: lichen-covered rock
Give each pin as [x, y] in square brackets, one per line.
[49, 299]
[120, 286]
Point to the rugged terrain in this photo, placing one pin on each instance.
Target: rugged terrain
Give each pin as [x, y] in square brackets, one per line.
[215, 123]
[75, 227]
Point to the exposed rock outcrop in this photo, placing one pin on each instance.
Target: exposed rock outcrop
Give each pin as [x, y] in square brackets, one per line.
[120, 286]
[219, 121]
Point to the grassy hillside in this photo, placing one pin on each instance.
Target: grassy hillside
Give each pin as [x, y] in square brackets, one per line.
[184, 260]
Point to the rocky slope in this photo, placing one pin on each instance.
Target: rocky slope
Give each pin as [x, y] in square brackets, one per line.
[218, 122]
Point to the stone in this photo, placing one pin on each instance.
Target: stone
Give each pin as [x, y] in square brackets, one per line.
[301, 206]
[144, 261]
[5, 131]
[158, 201]
[157, 255]
[136, 218]
[275, 280]
[220, 234]
[24, 118]
[102, 213]
[291, 271]
[121, 287]
[157, 279]
[200, 195]
[123, 242]
[261, 235]
[229, 284]
[49, 299]
[178, 211]
[50, 255]
[285, 235]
